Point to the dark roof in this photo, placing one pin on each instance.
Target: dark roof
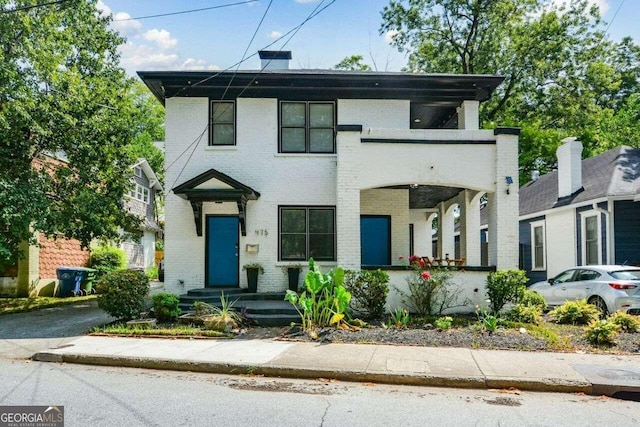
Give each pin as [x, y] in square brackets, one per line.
[613, 173]
[275, 54]
[432, 89]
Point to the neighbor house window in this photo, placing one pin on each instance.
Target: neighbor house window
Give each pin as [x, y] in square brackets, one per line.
[538, 254]
[307, 232]
[591, 239]
[137, 171]
[140, 193]
[307, 127]
[222, 123]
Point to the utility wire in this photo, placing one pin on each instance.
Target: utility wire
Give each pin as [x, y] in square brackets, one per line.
[614, 17]
[33, 6]
[186, 11]
[225, 92]
[294, 30]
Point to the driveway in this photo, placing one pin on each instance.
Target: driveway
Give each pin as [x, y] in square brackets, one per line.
[23, 334]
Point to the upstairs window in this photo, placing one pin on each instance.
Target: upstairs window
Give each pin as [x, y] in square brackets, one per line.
[139, 192]
[137, 171]
[222, 123]
[307, 127]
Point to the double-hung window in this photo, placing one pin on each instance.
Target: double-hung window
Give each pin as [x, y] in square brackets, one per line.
[591, 240]
[222, 123]
[307, 232]
[538, 246]
[307, 127]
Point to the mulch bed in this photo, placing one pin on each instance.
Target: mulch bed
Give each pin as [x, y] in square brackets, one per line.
[571, 338]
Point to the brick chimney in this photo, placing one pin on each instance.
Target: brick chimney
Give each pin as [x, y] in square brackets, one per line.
[569, 167]
[275, 59]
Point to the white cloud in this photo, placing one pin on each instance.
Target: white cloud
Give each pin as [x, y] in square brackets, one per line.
[388, 36]
[160, 37]
[123, 24]
[103, 8]
[275, 34]
[197, 64]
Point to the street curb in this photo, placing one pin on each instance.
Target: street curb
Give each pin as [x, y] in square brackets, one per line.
[482, 382]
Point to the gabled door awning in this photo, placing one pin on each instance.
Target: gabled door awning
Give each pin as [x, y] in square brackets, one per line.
[214, 186]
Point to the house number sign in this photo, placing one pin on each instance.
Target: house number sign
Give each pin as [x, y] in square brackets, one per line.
[262, 232]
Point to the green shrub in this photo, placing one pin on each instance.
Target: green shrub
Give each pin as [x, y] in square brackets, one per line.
[505, 286]
[531, 298]
[531, 314]
[430, 292]
[107, 258]
[369, 290]
[601, 332]
[152, 273]
[325, 301]
[575, 313]
[627, 322]
[443, 323]
[165, 306]
[121, 293]
[399, 318]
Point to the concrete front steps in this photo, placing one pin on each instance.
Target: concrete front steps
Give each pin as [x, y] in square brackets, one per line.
[266, 309]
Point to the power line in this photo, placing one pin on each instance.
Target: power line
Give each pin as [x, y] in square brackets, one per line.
[222, 97]
[294, 30]
[186, 11]
[33, 6]
[614, 17]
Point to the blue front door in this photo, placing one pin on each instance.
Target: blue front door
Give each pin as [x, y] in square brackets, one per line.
[375, 240]
[222, 251]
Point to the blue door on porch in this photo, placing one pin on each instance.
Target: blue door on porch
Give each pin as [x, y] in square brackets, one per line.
[222, 251]
[375, 240]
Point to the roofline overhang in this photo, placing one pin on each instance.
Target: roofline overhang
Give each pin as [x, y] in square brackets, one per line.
[435, 89]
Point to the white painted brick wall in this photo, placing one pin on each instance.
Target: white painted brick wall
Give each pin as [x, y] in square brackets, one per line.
[391, 114]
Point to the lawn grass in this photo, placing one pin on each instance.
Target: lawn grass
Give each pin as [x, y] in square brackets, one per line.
[123, 330]
[18, 305]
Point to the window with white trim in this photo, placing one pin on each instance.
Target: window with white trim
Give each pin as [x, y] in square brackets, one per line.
[141, 193]
[307, 127]
[538, 247]
[591, 249]
[222, 123]
[137, 171]
[307, 232]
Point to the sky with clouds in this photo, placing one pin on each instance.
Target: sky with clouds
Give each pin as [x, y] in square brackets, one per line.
[216, 38]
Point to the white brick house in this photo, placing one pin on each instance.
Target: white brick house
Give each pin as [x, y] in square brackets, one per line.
[274, 166]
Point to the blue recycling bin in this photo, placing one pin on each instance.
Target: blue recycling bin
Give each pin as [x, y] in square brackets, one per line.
[70, 280]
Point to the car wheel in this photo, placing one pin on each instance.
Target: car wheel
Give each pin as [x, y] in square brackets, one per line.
[601, 305]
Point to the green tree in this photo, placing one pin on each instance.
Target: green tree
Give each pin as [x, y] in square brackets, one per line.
[62, 95]
[353, 63]
[149, 128]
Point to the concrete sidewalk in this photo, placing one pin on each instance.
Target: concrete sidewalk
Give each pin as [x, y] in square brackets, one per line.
[426, 366]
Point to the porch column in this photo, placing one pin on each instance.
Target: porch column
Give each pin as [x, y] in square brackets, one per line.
[470, 226]
[468, 117]
[421, 232]
[502, 204]
[348, 197]
[446, 230]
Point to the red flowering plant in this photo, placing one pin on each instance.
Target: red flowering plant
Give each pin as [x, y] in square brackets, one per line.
[430, 289]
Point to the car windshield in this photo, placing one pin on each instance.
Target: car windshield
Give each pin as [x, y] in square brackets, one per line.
[626, 274]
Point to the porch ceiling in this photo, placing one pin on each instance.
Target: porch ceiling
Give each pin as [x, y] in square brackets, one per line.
[428, 196]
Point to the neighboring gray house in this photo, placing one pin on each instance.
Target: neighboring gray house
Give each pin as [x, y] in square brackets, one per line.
[586, 212]
[141, 201]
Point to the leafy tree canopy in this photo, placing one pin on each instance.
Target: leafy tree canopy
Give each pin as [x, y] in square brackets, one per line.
[353, 63]
[63, 96]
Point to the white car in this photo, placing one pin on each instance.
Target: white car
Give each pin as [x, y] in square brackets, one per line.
[608, 287]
